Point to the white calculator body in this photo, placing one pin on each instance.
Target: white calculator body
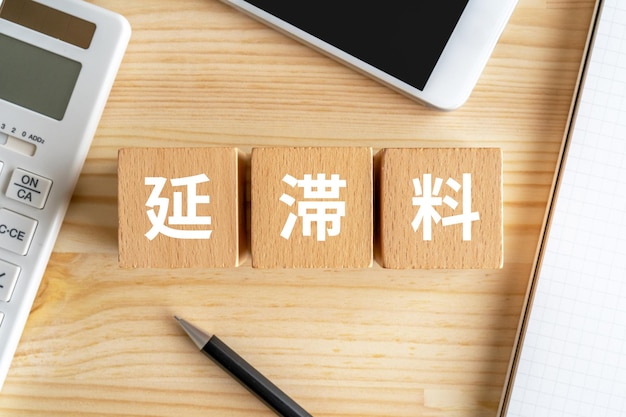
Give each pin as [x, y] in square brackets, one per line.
[58, 61]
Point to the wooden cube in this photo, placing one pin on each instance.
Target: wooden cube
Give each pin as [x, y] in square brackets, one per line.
[181, 207]
[441, 208]
[312, 207]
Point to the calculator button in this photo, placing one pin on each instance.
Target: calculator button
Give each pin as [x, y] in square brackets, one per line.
[16, 231]
[8, 278]
[29, 188]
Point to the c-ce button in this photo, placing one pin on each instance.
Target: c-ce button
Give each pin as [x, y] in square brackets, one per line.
[16, 231]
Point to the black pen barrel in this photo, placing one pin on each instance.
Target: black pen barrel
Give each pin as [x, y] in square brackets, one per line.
[252, 379]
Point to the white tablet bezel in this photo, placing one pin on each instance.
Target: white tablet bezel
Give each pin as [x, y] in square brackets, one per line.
[458, 69]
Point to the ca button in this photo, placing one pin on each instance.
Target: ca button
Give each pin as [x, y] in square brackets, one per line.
[29, 188]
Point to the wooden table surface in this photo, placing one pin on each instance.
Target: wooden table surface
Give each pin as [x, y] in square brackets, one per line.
[101, 340]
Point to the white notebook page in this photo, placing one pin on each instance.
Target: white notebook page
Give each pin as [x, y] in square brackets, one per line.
[573, 357]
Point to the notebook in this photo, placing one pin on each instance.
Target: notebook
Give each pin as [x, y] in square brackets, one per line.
[570, 358]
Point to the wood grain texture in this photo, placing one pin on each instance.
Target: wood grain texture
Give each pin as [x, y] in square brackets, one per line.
[374, 343]
[421, 189]
[322, 217]
[195, 196]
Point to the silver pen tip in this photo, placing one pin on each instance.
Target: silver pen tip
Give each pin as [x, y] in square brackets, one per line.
[198, 337]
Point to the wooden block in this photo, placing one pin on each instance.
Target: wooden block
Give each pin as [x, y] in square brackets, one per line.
[312, 207]
[181, 207]
[441, 208]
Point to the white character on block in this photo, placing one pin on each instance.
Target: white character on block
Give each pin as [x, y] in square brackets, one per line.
[178, 217]
[317, 208]
[428, 199]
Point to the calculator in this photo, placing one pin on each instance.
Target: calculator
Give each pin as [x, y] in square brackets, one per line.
[58, 62]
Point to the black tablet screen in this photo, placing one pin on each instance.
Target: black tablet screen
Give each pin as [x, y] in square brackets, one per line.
[403, 38]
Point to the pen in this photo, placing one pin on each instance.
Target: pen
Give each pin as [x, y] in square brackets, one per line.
[243, 372]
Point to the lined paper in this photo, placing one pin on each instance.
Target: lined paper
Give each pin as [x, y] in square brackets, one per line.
[573, 356]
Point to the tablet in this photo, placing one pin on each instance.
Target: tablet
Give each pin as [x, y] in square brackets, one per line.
[432, 51]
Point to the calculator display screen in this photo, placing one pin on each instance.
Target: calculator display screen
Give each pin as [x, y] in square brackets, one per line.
[35, 78]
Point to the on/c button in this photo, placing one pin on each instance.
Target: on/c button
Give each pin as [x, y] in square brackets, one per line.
[16, 231]
[29, 188]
